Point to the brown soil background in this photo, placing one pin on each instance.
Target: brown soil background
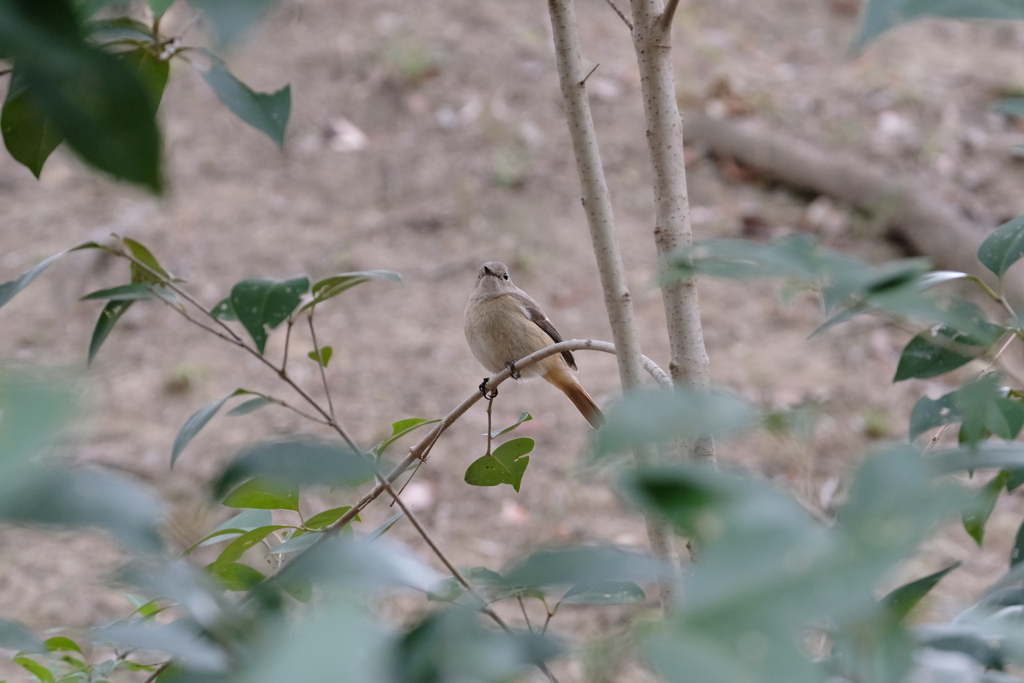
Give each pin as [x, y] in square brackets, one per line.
[467, 159]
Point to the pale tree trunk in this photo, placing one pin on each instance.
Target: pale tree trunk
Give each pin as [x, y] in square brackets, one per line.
[652, 40]
[598, 206]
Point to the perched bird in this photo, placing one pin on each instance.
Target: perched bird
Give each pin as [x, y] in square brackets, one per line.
[503, 325]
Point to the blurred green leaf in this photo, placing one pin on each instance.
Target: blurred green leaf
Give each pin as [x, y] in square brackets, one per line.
[83, 498]
[233, 576]
[328, 517]
[109, 316]
[229, 19]
[941, 349]
[900, 601]
[159, 7]
[267, 112]
[133, 292]
[234, 551]
[62, 644]
[452, 645]
[296, 543]
[667, 414]
[975, 516]
[114, 29]
[505, 466]
[297, 463]
[36, 669]
[400, 429]
[12, 287]
[151, 71]
[87, 95]
[234, 527]
[385, 526]
[604, 593]
[33, 411]
[260, 304]
[525, 417]
[1004, 247]
[183, 640]
[878, 16]
[1013, 106]
[1017, 552]
[194, 423]
[929, 413]
[249, 406]
[262, 495]
[584, 564]
[301, 590]
[986, 410]
[14, 636]
[324, 357]
[330, 287]
[29, 135]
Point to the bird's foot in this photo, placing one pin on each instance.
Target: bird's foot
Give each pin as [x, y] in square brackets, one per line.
[489, 394]
[511, 365]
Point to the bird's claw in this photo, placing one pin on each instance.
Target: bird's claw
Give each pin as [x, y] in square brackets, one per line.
[511, 365]
[489, 394]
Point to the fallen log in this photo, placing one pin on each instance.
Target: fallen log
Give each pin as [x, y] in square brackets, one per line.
[914, 211]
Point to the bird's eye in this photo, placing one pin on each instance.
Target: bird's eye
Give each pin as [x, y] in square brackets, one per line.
[505, 276]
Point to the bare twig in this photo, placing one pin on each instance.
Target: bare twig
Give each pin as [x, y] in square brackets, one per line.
[625, 19]
[589, 74]
[156, 674]
[287, 339]
[323, 372]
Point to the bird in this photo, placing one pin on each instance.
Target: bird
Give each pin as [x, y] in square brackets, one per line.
[504, 325]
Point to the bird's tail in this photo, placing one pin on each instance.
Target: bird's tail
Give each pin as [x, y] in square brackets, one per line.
[577, 394]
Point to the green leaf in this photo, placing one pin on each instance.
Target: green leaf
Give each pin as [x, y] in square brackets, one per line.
[117, 29]
[525, 417]
[383, 528]
[942, 349]
[234, 527]
[14, 636]
[1017, 553]
[987, 410]
[1013, 106]
[300, 589]
[62, 644]
[223, 310]
[267, 112]
[189, 646]
[86, 94]
[398, 430]
[878, 16]
[139, 274]
[604, 593]
[151, 71]
[234, 576]
[29, 135]
[505, 466]
[36, 669]
[249, 406]
[234, 550]
[12, 287]
[976, 515]
[297, 463]
[902, 600]
[664, 415]
[585, 564]
[109, 316]
[328, 517]
[324, 357]
[256, 494]
[159, 7]
[1004, 247]
[260, 303]
[296, 543]
[133, 292]
[195, 423]
[229, 19]
[330, 287]
[929, 413]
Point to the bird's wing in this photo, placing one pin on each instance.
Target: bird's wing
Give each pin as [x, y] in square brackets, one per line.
[537, 317]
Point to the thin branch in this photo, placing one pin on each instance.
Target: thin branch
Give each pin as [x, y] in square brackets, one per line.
[622, 16]
[162, 668]
[323, 372]
[589, 74]
[669, 14]
[287, 339]
[526, 616]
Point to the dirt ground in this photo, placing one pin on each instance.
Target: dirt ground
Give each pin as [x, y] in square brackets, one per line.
[428, 138]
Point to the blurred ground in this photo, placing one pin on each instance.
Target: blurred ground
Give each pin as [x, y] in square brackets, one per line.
[428, 138]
